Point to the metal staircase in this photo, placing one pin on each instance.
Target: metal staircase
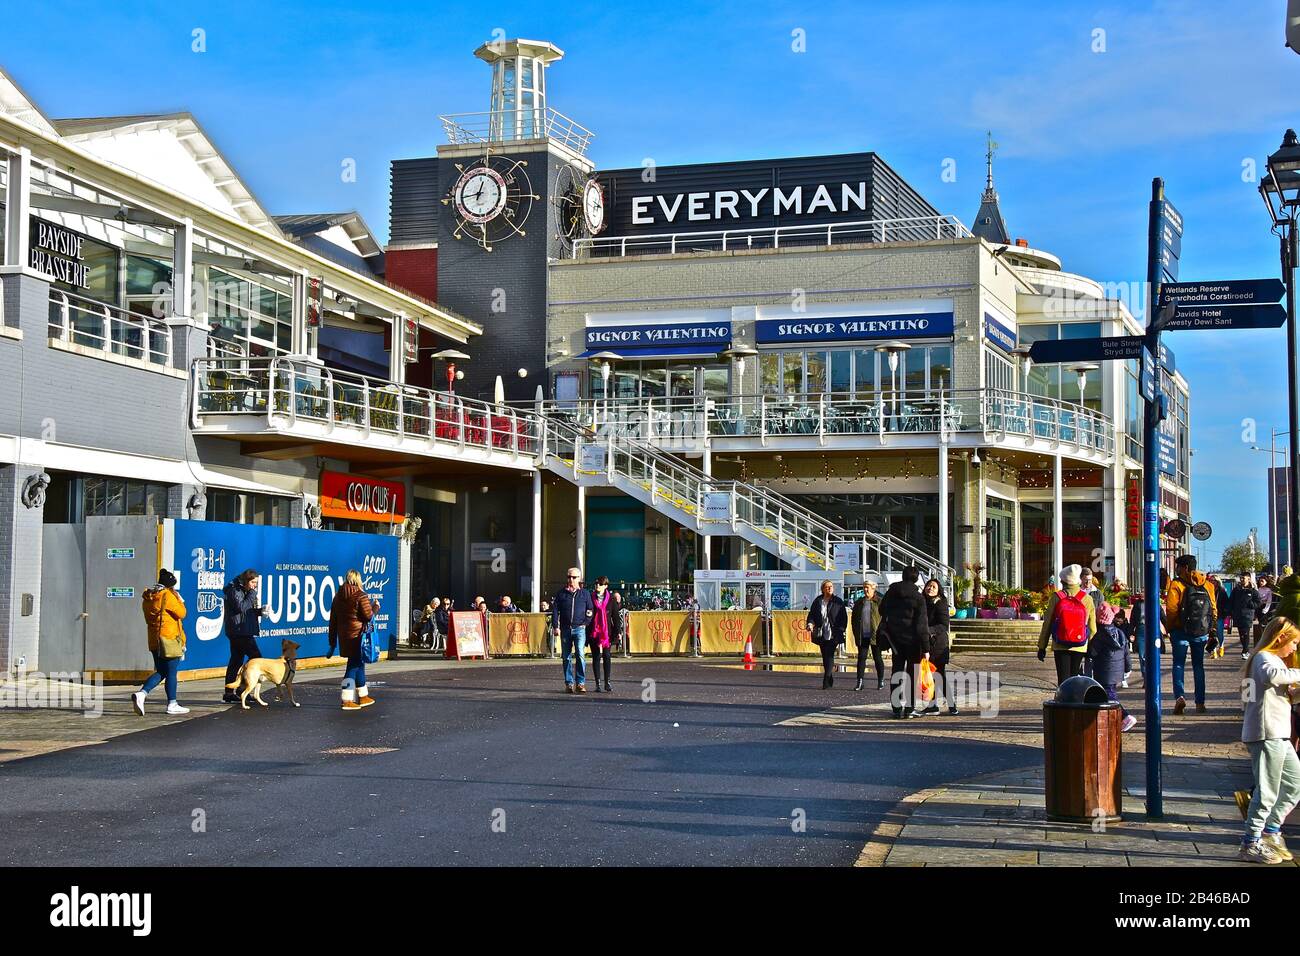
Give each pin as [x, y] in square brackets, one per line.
[710, 506]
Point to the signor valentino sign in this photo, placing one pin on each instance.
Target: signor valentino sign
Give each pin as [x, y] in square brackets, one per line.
[911, 325]
[359, 498]
[57, 252]
[651, 336]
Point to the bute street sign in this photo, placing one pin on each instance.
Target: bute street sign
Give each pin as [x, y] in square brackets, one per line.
[1113, 348]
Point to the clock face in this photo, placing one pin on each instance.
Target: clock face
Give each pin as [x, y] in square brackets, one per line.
[480, 194]
[593, 206]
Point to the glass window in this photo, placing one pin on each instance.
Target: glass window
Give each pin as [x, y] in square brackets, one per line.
[941, 367]
[653, 381]
[914, 370]
[792, 373]
[623, 385]
[769, 370]
[95, 491]
[864, 372]
[715, 381]
[841, 371]
[682, 382]
[142, 274]
[816, 372]
[135, 498]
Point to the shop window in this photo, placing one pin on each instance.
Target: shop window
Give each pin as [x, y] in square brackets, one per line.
[248, 508]
[816, 372]
[940, 366]
[792, 373]
[715, 381]
[841, 371]
[913, 371]
[107, 497]
[864, 373]
[769, 370]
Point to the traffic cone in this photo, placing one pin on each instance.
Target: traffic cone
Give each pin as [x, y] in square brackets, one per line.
[748, 659]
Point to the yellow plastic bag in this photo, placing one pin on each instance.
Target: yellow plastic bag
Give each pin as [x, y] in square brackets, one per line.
[927, 680]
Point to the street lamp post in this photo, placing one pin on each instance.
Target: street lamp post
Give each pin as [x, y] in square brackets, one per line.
[1281, 192]
[451, 357]
[1274, 548]
[893, 350]
[1081, 371]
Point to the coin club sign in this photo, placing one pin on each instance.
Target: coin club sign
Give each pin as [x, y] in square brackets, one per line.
[358, 498]
[58, 253]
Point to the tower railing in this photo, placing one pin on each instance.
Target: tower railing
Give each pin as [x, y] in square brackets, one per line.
[500, 126]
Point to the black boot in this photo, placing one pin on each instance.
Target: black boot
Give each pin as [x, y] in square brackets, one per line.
[880, 683]
[859, 687]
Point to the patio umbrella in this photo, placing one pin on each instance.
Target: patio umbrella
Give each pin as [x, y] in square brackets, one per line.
[499, 392]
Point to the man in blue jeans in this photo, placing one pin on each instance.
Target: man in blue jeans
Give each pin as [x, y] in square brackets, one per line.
[571, 612]
[1190, 613]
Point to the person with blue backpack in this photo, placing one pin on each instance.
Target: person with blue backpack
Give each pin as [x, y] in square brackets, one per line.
[1190, 613]
[1069, 621]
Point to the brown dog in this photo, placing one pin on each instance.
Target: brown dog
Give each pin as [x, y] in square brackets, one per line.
[278, 670]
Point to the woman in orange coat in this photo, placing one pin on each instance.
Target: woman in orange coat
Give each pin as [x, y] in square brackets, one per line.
[163, 612]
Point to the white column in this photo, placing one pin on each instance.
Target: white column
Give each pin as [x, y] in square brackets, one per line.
[537, 541]
[182, 268]
[944, 556]
[18, 207]
[581, 532]
[706, 559]
[1058, 519]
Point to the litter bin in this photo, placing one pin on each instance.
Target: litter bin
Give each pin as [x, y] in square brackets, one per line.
[1081, 753]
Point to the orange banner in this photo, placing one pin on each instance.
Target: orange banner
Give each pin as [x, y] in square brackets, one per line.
[517, 634]
[665, 633]
[725, 632]
[790, 635]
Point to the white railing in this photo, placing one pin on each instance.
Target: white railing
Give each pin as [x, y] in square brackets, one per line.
[993, 413]
[910, 229]
[790, 529]
[288, 392]
[77, 320]
[497, 126]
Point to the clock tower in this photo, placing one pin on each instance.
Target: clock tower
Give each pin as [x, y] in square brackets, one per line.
[510, 190]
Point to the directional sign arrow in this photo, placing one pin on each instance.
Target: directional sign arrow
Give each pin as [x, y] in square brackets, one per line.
[1114, 348]
[1227, 317]
[1225, 292]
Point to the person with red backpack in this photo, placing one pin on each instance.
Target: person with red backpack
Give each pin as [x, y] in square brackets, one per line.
[1069, 621]
[1190, 612]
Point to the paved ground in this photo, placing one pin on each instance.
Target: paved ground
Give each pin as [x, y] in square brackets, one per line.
[715, 771]
[998, 819]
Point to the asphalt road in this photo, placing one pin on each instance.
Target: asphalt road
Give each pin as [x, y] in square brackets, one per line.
[491, 766]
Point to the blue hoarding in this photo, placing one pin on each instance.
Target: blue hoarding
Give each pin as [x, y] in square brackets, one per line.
[301, 571]
[912, 325]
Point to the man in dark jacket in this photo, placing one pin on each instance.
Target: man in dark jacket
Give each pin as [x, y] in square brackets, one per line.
[865, 622]
[1243, 605]
[827, 620]
[571, 612]
[905, 618]
[243, 623]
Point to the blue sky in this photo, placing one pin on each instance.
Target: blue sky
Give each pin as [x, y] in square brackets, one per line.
[1186, 90]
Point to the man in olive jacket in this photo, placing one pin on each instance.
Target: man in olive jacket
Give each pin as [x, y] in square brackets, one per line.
[905, 618]
[865, 622]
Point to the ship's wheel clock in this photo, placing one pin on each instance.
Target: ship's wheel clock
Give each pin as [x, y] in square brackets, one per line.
[491, 199]
[593, 207]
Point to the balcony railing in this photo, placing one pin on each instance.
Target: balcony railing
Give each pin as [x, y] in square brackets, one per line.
[289, 392]
[80, 321]
[819, 416]
[497, 126]
[911, 229]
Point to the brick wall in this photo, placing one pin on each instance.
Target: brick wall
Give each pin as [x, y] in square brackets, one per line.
[415, 270]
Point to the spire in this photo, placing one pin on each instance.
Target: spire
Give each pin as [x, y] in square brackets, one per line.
[989, 224]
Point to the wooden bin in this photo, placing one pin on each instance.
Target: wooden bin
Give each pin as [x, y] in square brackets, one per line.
[1081, 753]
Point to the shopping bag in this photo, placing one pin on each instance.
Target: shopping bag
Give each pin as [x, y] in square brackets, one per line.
[369, 646]
[927, 680]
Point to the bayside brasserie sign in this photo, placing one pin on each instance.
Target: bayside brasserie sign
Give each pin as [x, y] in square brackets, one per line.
[358, 498]
[735, 204]
[58, 253]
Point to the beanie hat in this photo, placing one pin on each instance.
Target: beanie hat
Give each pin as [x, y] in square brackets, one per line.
[166, 578]
[1071, 574]
[1106, 614]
